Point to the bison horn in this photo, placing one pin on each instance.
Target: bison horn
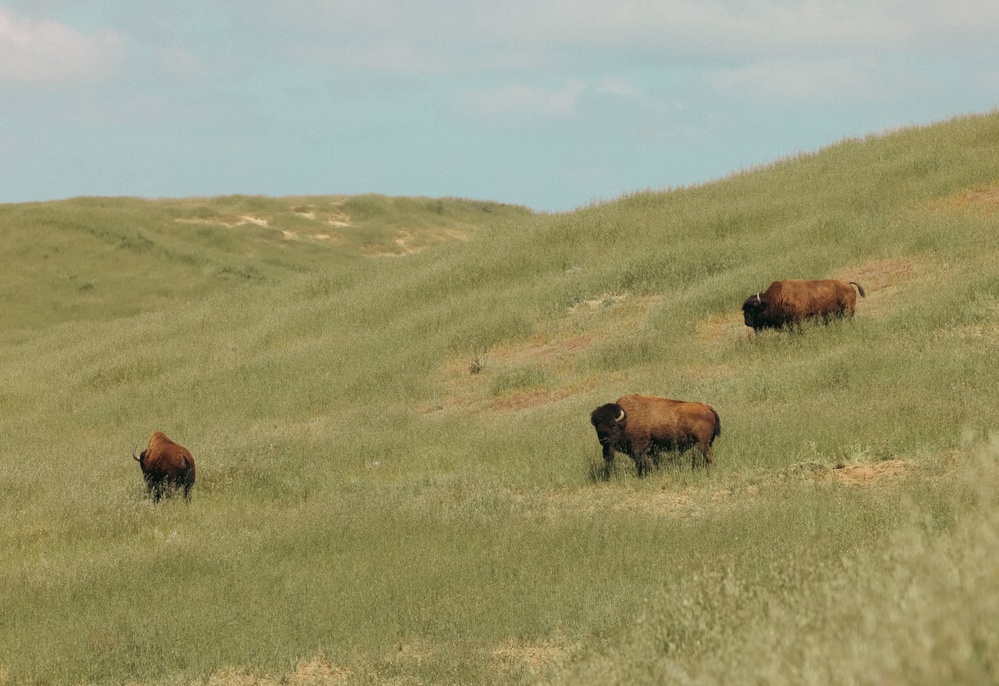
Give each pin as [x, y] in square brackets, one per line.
[134, 456]
[620, 417]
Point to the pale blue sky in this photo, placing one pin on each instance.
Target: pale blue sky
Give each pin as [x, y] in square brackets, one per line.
[549, 103]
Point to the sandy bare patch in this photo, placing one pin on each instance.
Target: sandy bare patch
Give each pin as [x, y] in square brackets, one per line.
[866, 474]
[227, 221]
[858, 474]
[296, 236]
[407, 242]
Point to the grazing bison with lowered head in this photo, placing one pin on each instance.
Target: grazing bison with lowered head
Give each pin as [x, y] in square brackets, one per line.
[643, 426]
[789, 302]
[166, 465]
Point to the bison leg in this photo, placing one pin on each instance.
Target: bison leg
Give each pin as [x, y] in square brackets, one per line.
[608, 451]
[706, 452]
[152, 487]
[643, 463]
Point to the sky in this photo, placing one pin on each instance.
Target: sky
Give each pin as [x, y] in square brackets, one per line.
[552, 104]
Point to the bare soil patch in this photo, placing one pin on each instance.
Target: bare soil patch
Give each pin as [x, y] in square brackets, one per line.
[867, 474]
[857, 474]
[407, 241]
[227, 221]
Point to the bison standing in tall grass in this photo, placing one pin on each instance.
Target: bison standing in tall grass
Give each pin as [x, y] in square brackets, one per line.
[789, 302]
[643, 426]
[166, 465]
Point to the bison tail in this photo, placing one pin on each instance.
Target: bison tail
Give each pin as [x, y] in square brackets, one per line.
[717, 424]
[860, 289]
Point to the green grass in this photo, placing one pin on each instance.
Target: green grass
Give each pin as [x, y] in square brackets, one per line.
[369, 510]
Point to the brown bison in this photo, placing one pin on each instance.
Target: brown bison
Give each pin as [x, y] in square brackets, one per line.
[789, 302]
[643, 426]
[166, 465]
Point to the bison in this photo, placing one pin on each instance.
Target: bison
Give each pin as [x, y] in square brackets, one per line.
[789, 302]
[166, 465]
[643, 426]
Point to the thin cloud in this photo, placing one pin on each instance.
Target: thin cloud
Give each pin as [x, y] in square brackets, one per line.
[518, 105]
[838, 79]
[453, 36]
[38, 51]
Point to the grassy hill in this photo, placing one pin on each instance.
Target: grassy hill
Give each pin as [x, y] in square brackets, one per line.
[100, 258]
[397, 479]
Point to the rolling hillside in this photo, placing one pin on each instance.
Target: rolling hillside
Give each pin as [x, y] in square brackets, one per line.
[388, 401]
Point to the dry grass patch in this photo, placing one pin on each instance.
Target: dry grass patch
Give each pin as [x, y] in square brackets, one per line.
[545, 368]
[469, 383]
[880, 275]
[882, 281]
[979, 199]
[532, 657]
[721, 328]
[664, 501]
[315, 672]
[523, 400]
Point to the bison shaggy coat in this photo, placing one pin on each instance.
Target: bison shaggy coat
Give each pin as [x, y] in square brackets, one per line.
[166, 465]
[643, 426]
[789, 302]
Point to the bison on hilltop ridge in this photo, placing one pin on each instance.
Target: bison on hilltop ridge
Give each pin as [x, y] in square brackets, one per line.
[644, 426]
[166, 465]
[789, 302]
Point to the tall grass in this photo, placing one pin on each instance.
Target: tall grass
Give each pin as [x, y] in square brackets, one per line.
[915, 606]
[370, 510]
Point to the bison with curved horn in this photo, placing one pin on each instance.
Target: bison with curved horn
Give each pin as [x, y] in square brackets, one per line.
[789, 302]
[166, 465]
[644, 426]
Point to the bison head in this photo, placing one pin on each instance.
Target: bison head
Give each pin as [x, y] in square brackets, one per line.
[752, 311]
[609, 420]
